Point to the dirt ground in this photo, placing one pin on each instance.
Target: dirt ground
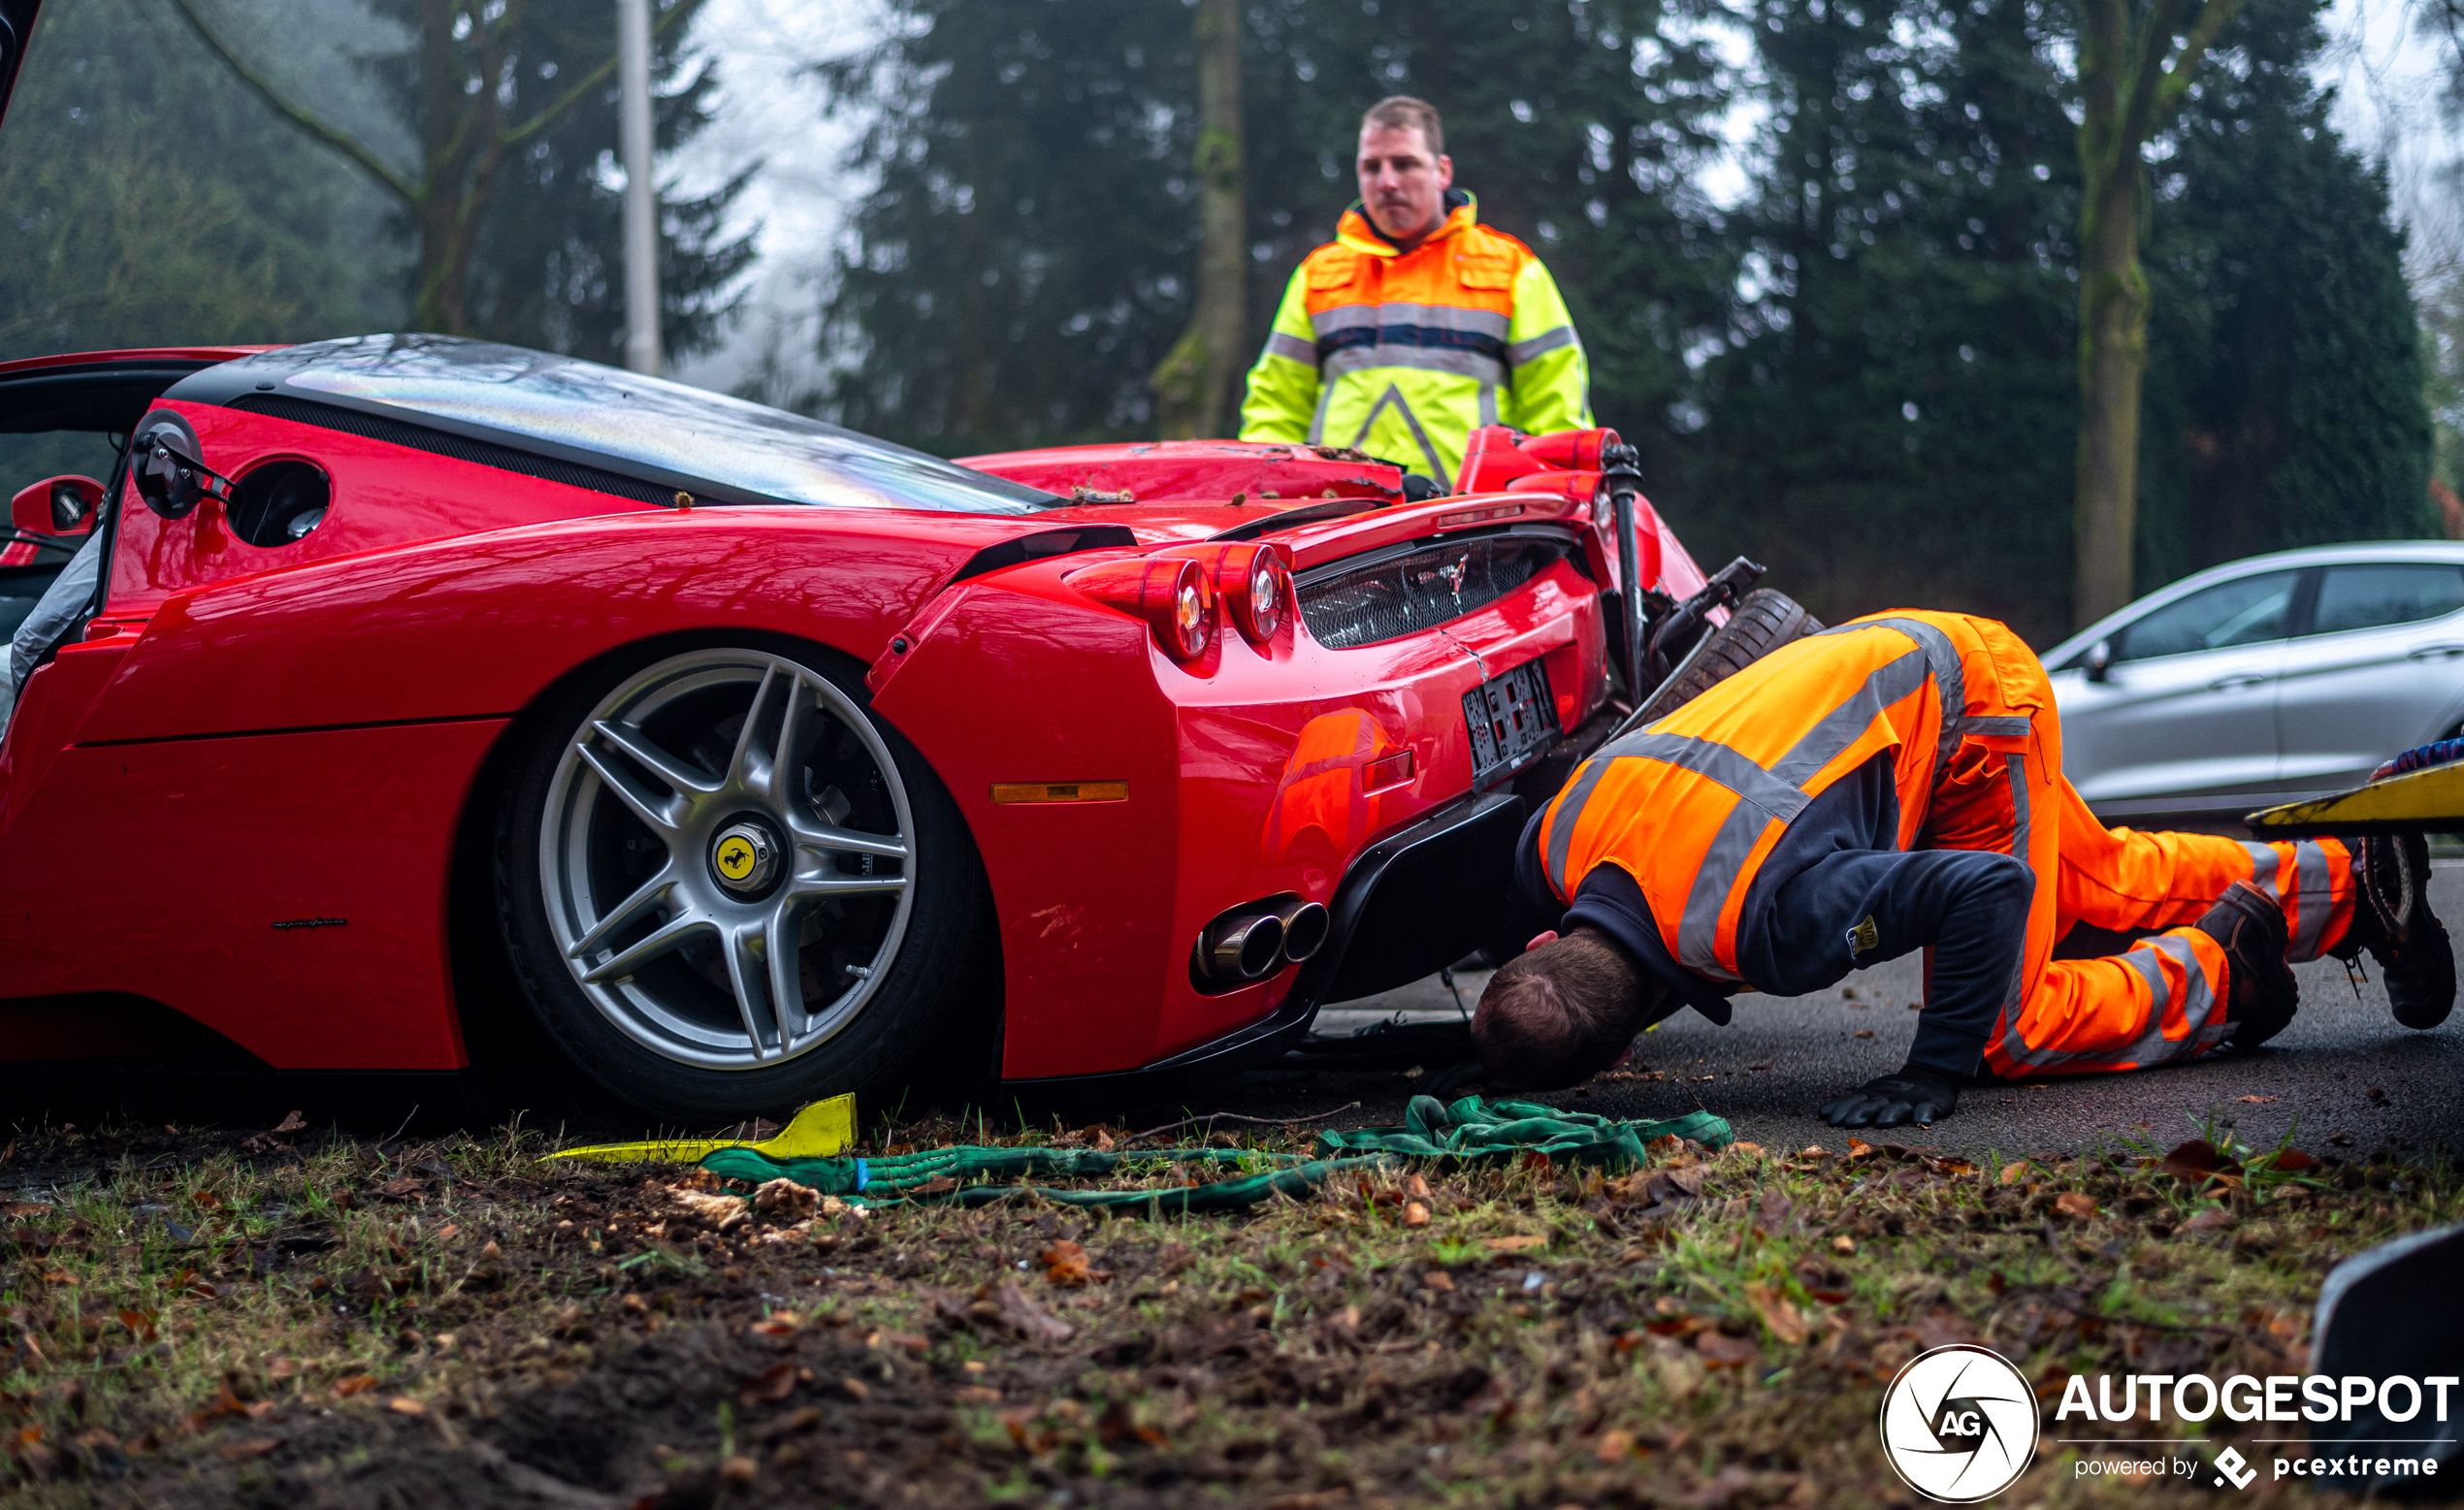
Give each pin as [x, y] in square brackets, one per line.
[299, 1318]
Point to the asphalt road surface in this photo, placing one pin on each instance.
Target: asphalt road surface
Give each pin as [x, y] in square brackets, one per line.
[2353, 1079]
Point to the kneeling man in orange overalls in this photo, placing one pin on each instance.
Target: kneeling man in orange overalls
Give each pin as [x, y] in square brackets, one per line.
[1895, 783]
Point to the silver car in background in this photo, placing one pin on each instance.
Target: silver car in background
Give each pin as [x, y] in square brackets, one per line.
[2264, 681]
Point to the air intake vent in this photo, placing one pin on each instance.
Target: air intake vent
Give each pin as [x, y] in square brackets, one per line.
[1348, 604]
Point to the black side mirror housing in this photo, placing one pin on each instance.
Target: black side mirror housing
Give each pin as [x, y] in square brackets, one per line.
[167, 474]
[2099, 665]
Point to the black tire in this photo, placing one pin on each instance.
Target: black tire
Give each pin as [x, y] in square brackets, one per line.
[1761, 621]
[931, 1021]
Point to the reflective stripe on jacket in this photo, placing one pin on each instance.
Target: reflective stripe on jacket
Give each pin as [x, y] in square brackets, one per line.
[1403, 354]
[1692, 805]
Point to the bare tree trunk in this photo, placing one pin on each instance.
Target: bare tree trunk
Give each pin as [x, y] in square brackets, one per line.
[2113, 363]
[1193, 383]
[2136, 64]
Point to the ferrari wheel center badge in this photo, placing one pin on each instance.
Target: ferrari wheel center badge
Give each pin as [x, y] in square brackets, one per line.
[744, 856]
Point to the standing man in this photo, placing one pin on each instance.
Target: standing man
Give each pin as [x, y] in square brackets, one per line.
[1415, 324]
[1892, 784]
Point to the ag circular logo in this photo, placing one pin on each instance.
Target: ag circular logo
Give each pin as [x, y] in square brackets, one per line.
[1958, 1424]
[737, 857]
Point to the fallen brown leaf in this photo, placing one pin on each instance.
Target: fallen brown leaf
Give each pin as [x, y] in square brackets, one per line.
[1012, 1308]
[250, 1447]
[1616, 1445]
[404, 1405]
[786, 1200]
[291, 1122]
[359, 1384]
[722, 1212]
[1778, 1312]
[776, 1382]
[1415, 1213]
[2077, 1205]
[2209, 1220]
[1065, 1265]
[2256, 1101]
[1521, 1242]
[1719, 1350]
[2197, 1161]
[2014, 1172]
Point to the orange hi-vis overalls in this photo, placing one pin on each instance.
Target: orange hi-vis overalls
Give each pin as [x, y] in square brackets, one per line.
[1958, 712]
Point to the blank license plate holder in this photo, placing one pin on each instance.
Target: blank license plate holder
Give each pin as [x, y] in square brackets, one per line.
[1513, 718]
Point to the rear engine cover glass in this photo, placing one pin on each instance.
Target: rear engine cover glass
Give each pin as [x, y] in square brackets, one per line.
[582, 410]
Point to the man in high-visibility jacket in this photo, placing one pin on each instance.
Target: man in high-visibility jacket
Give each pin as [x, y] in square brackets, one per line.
[1895, 783]
[1416, 324]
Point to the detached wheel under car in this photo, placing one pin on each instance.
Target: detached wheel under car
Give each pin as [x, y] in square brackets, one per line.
[727, 888]
[1762, 622]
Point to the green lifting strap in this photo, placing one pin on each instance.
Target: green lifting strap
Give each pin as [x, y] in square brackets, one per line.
[1468, 1132]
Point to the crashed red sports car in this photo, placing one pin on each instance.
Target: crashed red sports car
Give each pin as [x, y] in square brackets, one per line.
[405, 702]
[768, 760]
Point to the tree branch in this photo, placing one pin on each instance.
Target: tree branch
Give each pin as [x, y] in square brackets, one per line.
[2218, 14]
[581, 87]
[300, 115]
[2148, 71]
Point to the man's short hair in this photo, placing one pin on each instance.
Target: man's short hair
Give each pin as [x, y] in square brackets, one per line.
[1400, 112]
[1559, 1014]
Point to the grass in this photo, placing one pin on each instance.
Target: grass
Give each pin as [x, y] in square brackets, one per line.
[218, 1319]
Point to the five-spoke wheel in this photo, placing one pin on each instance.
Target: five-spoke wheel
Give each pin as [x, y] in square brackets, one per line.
[726, 864]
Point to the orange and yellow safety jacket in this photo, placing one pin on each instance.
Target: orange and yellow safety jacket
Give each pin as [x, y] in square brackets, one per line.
[1691, 806]
[1404, 354]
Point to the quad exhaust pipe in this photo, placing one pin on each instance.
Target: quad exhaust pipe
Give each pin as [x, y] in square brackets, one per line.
[1255, 938]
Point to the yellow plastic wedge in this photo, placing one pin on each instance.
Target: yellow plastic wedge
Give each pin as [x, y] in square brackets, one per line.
[820, 1131]
[2417, 799]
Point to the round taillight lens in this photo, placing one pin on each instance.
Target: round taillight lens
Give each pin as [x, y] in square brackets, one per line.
[1269, 577]
[1190, 622]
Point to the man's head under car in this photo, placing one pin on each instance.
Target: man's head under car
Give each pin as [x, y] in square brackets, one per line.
[1563, 1011]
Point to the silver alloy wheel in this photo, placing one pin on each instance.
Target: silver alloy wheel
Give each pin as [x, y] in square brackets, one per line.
[712, 860]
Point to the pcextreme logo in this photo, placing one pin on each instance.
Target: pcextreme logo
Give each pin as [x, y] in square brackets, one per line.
[1958, 1424]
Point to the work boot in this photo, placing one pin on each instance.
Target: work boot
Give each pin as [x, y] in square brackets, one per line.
[2259, 993]
[2391, 918]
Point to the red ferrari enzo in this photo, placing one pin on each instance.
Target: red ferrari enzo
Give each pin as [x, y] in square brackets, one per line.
[764, 759]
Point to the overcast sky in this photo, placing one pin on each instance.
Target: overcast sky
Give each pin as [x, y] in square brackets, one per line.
[771, 109]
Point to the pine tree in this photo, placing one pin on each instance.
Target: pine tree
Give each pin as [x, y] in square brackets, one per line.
[1897, 420]
[1892, 422]
[2286, 363]
[1028, 251]
[148, 204]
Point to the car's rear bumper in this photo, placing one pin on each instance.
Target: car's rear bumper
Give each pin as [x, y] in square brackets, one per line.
[1402, 911]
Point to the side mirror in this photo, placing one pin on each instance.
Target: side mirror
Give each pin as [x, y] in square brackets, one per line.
[57, 506]
[170, 477]
[2099, 662]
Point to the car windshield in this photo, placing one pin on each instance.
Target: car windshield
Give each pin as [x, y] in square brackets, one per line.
[587, 411]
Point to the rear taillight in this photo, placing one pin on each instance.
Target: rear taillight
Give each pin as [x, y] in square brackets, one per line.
[1257, 582]
[1172, 595]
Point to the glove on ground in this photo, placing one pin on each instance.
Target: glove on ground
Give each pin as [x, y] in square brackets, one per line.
[1892, 1099]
